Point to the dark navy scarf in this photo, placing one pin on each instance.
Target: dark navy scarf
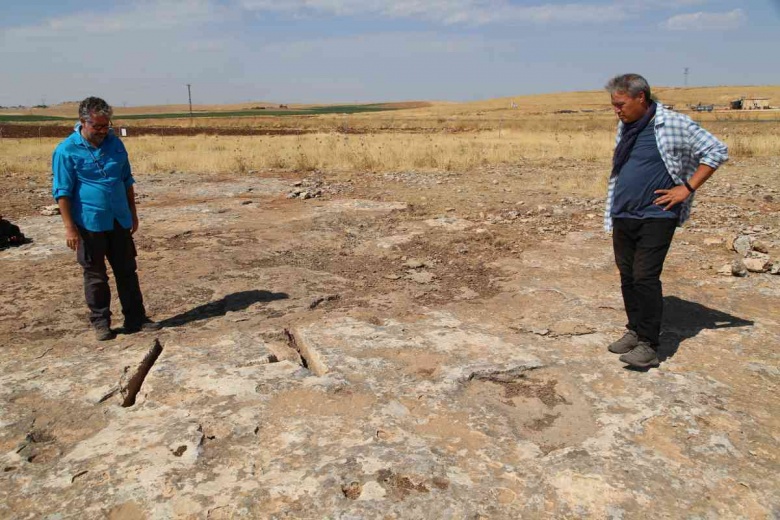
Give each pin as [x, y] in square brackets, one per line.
[630, 133]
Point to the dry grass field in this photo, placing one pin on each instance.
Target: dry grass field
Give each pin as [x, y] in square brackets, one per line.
[438, 137]
[567, 153]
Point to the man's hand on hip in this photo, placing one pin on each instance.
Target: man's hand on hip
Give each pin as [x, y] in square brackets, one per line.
[135, 225]
[72, 237]
[671, 198]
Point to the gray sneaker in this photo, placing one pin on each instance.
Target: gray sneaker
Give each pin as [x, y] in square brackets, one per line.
[642, 356]
[104, 333]
[625, 344]
[146, 325]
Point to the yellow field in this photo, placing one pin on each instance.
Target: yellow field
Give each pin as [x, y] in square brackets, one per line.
[372, 153]
[444, 136]
[360, 153]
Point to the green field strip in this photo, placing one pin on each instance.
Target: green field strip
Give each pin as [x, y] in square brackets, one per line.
[331, 109]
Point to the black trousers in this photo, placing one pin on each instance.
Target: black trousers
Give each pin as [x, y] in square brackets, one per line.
[118, 247]
[640, 247]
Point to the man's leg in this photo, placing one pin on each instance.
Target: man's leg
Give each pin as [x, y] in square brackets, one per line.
[624, 243]
[91, 255]
[655, 237]
[121, 255]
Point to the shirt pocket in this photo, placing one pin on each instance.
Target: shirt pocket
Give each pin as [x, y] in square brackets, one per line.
[88, 169]
[114, 164]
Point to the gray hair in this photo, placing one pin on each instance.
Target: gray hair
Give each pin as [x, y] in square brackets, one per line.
[94, 105]
[631, 84]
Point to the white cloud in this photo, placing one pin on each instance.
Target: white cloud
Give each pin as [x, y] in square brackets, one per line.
[140, 48]
[147, 51]
[149, 15]
[447, 12]
[172, 15]
[665, 4]
[702, 21]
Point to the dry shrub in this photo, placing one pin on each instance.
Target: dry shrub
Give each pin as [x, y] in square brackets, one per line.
[763, 145]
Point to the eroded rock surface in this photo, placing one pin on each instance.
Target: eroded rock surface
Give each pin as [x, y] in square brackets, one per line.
[454, 364]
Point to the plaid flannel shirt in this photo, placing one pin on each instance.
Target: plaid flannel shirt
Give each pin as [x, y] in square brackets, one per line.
[683, 145]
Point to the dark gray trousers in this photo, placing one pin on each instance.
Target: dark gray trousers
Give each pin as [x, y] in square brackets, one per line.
[118, 247]
[640, 247]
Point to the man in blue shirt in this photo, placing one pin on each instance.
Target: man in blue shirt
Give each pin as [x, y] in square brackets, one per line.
[660, 160]
[93, 187]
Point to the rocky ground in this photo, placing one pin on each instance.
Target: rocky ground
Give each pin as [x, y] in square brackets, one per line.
[406, 345]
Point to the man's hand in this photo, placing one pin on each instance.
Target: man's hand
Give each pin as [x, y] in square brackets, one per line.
[135, 225]
[72, 237]
[671, 198]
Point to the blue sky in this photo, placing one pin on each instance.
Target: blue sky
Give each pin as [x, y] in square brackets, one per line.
[145, 52]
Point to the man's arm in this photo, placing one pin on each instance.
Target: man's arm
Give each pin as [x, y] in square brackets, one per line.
[128, 180]
[133, 212]
[706, 148]
[678, 194]
[63, 182]
[709, 151]
[72, 236]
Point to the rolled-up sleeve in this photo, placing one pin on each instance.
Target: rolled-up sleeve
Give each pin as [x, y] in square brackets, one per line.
[63, 175]
[707, 148]
[127, 171]
[127, 175]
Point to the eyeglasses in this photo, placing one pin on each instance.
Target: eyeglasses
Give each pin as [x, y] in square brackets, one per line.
[99, 128]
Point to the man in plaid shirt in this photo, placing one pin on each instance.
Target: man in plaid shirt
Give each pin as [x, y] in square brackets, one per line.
[660, 160]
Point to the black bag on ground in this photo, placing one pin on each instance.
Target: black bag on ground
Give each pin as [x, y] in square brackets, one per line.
[10, 235]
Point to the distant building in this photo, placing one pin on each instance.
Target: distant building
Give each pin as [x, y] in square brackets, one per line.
[755, 103]
[744, 103]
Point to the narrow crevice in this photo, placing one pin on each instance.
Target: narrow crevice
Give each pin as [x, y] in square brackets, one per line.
[310, 357]
[293, 344]
[131, 389]
[504, 375]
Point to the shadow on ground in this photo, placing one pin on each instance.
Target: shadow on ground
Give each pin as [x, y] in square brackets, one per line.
[230, 303]
[684, 320]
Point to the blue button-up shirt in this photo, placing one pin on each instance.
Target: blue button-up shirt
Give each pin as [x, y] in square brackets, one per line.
[683, 145]
[95, 179]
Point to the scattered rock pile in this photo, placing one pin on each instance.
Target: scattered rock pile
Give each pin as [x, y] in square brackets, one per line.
[416, 270]
[50, 211]
[413, 178]
[315, 188]
[753, 257]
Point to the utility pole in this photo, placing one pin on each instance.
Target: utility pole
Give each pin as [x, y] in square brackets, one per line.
[685, 73]
[189, 94]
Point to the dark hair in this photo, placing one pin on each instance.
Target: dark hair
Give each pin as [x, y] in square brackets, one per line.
[94, 105]
[631, 84]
